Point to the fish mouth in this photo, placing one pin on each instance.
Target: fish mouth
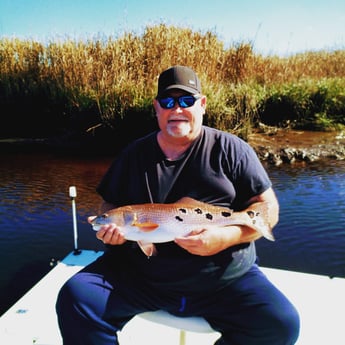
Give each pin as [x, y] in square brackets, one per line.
[96, 227]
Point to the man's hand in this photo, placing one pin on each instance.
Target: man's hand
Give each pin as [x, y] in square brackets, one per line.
[213, 240]
[109, 234]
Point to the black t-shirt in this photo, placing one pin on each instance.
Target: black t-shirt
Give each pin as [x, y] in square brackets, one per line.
[220, 169]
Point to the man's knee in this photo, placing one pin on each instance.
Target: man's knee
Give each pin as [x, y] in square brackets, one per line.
[287, 326]
[277, 329]
[65, 301]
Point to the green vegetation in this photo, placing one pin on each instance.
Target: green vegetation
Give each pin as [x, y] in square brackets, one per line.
[107, 84]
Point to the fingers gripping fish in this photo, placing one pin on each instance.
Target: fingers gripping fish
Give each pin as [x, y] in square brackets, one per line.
[157, 223]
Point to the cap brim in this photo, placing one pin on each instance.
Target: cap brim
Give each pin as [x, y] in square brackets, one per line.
[179, 87]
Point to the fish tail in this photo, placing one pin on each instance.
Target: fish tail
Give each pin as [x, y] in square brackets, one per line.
[264, 230]
[258, 215]
[267, 233]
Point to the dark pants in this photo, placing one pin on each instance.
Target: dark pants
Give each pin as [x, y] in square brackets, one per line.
[92, 306]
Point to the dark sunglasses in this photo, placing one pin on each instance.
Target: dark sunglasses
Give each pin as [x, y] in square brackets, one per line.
[183, 101]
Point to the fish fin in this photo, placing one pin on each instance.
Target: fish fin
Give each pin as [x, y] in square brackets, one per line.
[149, 249]
[190, 202]
[146, 226]
[186, 200]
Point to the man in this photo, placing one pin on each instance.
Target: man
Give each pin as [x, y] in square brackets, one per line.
[212, 272]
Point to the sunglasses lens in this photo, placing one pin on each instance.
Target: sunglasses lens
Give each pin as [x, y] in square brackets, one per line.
[167, 103]
[186, 101]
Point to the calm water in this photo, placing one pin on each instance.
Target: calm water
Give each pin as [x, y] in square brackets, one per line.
[37, 230]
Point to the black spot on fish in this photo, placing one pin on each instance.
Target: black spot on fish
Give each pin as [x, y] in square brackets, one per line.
[251, 214]
[179, 218]
[226, 214]
[209, 216]
[198, 210]
[183, 210]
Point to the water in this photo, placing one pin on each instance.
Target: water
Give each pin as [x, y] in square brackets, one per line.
[310, 236]
[37, 229]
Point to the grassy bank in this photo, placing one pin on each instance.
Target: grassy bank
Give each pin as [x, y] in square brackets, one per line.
[106, 84]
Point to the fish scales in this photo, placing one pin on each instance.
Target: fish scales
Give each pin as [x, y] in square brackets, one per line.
[180, 215]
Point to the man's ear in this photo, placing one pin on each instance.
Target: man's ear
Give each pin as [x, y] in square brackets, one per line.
[203, 102]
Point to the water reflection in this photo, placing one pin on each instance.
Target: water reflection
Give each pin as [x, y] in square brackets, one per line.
[35, 215]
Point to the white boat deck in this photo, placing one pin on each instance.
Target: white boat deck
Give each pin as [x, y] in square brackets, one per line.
[32, 320]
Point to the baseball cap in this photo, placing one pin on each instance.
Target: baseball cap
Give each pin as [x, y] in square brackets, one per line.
[178, 77]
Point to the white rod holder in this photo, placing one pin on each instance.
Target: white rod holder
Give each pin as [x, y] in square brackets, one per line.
[73, 195]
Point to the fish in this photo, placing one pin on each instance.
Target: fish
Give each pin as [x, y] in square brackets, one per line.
[158, 223]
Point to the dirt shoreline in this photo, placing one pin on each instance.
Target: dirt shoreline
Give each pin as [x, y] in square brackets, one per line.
[278, 146]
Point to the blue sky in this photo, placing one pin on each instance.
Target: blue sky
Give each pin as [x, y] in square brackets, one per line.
[274, 27]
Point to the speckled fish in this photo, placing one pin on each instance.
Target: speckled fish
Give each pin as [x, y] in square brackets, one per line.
[157, 223]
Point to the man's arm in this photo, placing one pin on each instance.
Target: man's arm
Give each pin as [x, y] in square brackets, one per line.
[212, 240]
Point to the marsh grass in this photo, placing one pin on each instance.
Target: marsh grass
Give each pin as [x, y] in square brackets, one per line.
[81, 84]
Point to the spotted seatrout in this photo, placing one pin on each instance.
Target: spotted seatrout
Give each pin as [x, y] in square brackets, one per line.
[157, 223]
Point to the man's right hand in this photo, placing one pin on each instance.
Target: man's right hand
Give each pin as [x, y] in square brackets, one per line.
[109, 233]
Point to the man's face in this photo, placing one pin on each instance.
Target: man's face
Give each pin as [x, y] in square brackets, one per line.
[179, 121]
